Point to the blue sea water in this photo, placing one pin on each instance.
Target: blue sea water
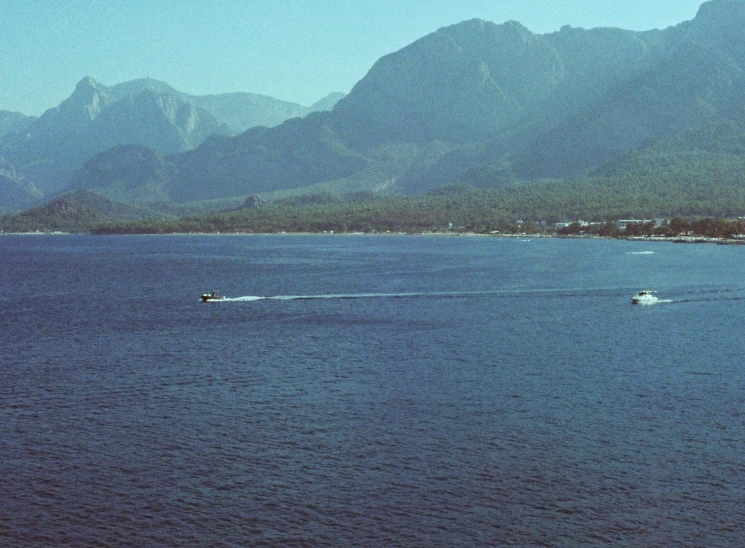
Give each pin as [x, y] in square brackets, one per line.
[395, 391]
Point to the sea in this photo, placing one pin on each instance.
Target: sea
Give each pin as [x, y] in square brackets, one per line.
[370, 391]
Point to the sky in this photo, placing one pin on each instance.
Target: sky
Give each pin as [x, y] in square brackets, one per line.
[292, 50]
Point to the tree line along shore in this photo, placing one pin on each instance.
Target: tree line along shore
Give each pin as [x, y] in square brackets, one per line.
[456, 210]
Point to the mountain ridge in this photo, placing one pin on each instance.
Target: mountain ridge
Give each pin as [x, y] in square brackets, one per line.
[497, 102]
[543, 105]
[48, 150]
[238, 110]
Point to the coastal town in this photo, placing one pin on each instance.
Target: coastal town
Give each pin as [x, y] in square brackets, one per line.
[677, 229]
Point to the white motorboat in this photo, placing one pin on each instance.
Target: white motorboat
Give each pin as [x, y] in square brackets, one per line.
[644, 297]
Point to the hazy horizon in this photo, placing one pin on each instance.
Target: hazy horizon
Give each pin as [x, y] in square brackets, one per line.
[293, 51]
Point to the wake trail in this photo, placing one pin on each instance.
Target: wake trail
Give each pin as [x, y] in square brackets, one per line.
[338, 296]
[706, 295]
[507, 293]
[709, 299]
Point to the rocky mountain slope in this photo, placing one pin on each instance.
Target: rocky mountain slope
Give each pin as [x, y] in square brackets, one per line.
[52, 147]
[17, 192]
[13, 122]
[46, 151]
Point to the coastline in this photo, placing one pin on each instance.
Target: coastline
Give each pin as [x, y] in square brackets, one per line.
[525, 236]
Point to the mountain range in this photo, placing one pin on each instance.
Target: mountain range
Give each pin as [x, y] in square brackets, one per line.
[474, 102]
[44, 152]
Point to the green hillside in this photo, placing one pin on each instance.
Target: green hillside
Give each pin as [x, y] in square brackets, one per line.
[699, 173]
[77, 211]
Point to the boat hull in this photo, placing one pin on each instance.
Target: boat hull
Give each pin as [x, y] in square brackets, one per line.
[644, 299]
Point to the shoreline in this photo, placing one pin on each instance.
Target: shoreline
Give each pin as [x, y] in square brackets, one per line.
[646, 239]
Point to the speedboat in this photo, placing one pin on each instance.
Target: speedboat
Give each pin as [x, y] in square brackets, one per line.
[207, 297]
[644, 297]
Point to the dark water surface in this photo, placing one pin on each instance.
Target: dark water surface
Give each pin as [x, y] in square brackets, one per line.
[399, 391]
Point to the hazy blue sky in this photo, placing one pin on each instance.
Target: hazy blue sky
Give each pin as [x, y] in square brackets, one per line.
[289, 49]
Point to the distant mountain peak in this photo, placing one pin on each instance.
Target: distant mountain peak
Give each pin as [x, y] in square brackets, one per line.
[89, 98]
[89, 88]
[515, 26]
[134, 87]
[87, 82]
[720, 23]
[721, 14]
[717, 8]
[476, 31]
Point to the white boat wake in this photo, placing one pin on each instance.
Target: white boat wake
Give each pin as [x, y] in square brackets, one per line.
[252, 298]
